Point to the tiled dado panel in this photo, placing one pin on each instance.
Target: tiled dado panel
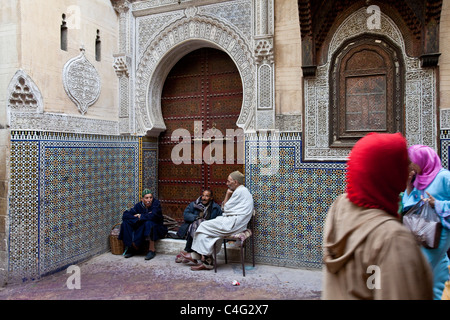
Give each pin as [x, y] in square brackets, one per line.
[150, 166]
[291, 200]
[67, 191]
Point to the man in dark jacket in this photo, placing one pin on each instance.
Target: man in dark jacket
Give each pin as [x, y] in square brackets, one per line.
[204, 208]
[144, 221]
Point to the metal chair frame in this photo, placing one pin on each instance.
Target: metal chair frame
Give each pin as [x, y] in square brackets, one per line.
[250, 227]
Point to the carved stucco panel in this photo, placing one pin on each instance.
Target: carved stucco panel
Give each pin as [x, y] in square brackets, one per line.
[151, 25]
[25, 111]
[23, 97]
[81, 82]
[62, 123]
[288, 122]
[420, 93]
[23, 94]
[445, 119]
[170, 45]
[237, 13]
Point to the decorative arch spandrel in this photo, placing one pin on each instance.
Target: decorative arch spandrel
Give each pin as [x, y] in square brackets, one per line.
[167, 47]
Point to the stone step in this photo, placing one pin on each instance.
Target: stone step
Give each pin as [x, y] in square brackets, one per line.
[174, 246]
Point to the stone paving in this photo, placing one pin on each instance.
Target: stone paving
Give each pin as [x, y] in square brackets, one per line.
[112, 277]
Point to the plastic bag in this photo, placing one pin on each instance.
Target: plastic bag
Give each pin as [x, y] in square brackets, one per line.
[424, 224]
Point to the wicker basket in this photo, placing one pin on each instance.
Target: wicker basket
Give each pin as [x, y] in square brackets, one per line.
[116, 244]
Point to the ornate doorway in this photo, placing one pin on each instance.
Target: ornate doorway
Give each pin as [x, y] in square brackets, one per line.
[203, 91]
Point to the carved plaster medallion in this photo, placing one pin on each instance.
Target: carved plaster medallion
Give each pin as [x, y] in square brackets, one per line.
[81, 82]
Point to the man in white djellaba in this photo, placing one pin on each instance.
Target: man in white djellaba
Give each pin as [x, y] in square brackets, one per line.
[237, 212]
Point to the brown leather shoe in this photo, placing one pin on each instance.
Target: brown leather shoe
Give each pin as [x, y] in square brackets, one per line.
[200, 267]
[188, 257]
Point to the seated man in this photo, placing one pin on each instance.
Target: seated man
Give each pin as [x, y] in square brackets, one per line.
[142, 222]
[202, 209]
[238, 210]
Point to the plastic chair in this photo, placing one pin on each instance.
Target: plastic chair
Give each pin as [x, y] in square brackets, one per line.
[242, 238]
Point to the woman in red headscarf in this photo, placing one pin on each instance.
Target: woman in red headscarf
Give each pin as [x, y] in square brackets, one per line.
[368, 253]
[427, 179]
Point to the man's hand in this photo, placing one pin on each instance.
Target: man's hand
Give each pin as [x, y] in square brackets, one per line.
[227, 196]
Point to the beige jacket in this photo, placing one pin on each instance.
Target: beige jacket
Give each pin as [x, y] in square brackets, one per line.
[369, 254]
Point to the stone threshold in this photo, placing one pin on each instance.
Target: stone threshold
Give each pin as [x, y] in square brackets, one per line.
[174, 246]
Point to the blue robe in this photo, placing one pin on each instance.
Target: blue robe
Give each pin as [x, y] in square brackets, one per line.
[150, 226]
[439, 188]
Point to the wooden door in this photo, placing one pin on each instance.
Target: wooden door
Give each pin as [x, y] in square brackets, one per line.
[202, 91]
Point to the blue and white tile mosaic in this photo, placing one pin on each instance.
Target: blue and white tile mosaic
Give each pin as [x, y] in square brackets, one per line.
[67, 191]
[150, 166]
[291, 197]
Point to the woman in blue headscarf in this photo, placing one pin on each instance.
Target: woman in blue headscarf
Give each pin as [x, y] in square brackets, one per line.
[429, 180]
[143, 222]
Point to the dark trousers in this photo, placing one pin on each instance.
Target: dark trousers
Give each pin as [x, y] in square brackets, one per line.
[189, 241]
[132, 232]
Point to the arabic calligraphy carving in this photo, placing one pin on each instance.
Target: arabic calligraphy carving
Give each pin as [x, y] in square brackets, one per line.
[81, 82]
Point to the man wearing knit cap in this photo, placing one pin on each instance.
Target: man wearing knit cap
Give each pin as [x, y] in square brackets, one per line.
[239, 177]
[237, 212]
